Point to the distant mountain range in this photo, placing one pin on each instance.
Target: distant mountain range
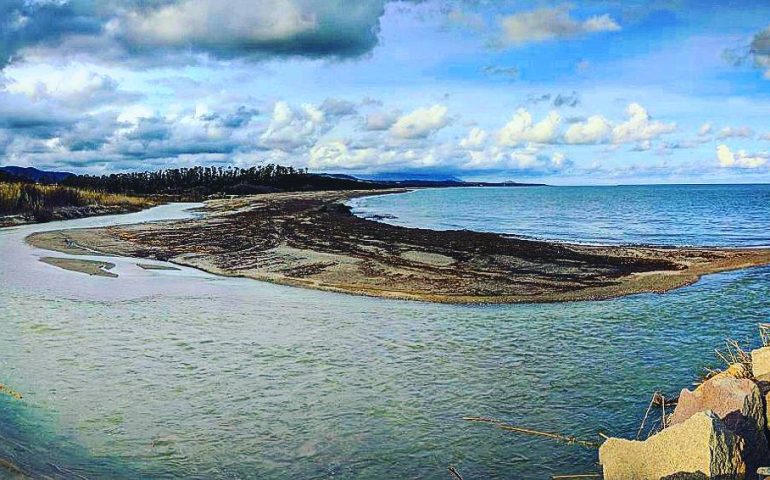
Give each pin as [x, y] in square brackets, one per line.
[35, 175]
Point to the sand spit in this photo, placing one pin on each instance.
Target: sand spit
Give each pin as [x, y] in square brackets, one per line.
[311, 240]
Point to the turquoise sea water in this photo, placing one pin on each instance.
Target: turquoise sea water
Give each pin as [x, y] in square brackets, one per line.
[704, 215]
[186, 375]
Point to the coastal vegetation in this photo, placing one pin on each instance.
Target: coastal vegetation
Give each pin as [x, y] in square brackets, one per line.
[47, 202]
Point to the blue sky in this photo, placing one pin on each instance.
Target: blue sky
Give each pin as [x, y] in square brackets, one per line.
[566, 93]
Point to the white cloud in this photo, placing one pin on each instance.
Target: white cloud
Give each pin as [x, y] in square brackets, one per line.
[336, 155]
[377, 121]
[559, 160]
[421, 122]
[705, 129]
[601, 23]
[639, 127]
[290, 128]
[531, 158]
[521, 129]
[551, 23]
[72, 86]
[740, 159]
[736, 132]
[132, 114]
[465, 19]
[596, 129]
[475, 139]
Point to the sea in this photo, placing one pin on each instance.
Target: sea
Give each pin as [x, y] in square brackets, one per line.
[183, 374]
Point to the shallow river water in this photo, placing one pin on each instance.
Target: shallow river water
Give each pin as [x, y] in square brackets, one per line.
[160, 374]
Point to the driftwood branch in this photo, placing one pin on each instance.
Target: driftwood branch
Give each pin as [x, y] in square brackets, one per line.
[454, 473]
[530, 431]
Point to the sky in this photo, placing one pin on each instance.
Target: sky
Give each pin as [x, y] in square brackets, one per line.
[591, 92]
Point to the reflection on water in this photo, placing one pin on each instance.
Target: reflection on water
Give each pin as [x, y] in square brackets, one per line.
[183, 374]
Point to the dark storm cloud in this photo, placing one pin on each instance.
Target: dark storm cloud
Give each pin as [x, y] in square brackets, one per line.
[19, 114]
[28, 23]
[146, 30]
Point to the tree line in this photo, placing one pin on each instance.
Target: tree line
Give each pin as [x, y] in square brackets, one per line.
[204, 181]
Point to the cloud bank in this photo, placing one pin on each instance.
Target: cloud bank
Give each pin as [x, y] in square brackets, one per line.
[145, 30]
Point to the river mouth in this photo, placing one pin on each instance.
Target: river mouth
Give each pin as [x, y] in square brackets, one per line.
[185, 374]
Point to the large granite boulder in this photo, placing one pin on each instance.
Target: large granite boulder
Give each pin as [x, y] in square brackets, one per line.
[763, 382]
[739, 403]
[735, 370]
[697, 448]
[760, 361]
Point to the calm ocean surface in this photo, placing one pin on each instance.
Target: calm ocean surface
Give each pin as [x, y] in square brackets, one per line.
[704, 215]
[182, 374]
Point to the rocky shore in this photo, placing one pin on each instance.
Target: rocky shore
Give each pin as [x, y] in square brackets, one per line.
[312, 240]
[719, 430]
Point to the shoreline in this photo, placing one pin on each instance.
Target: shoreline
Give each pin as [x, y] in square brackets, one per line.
[312, 240]
[70, 213]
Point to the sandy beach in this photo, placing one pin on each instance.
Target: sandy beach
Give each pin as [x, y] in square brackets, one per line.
[312, 240]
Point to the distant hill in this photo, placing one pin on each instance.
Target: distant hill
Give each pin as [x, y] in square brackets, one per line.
[408, 177]
[35, 175]
[425, 180]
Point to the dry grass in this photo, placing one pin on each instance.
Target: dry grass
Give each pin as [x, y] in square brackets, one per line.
[40, 200]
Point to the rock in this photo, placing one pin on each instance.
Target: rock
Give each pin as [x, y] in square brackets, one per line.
[760, 361]
[739, 404]
[700, 447]
[763, 382]
[736, 370]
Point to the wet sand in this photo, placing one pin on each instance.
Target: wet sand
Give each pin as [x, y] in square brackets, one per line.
[312, 240]
[149, 266]
[90, 267]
